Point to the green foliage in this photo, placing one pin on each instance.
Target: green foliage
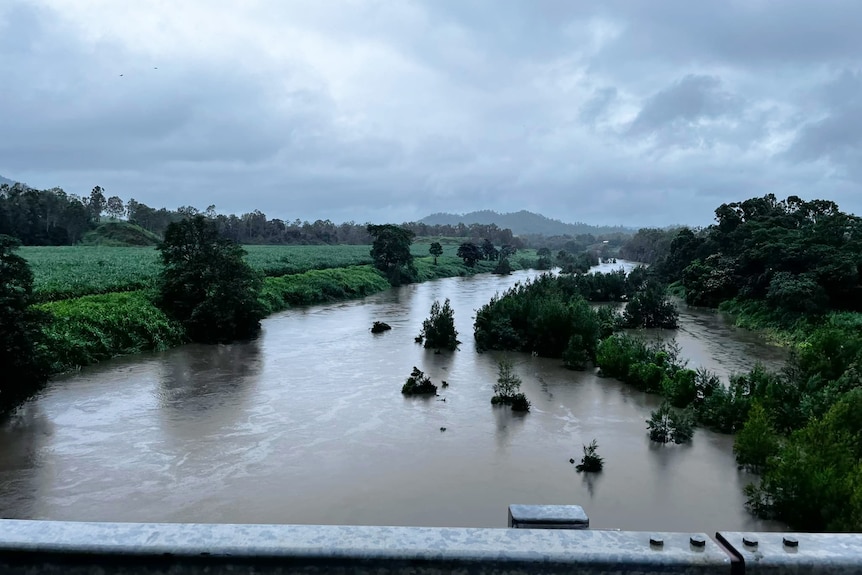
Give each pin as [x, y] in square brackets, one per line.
[117, 234]
[540, 316]
[813, 482]
[519, 402]
[503, 267]
[320, 286]
[435, 250]
[667, 424]
[63, 272]
[439, 329]
[508, 383]
[757, 441]
[206, 285]
[391, 252]
[591, 461]
[470, 253]
[418, 384]
[650, 308]
[22, 355]
[94, 328]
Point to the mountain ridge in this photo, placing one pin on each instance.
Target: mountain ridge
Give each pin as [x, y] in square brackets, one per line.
[522, 222]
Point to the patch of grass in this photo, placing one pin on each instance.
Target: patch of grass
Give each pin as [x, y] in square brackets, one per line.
[320, 286]
[120, 234]
[90, 329]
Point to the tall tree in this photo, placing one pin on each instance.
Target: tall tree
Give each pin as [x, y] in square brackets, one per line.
[25, 366]
[115, 207]
[391, 252]
[435, 250]
[206, 284]
[97, 203]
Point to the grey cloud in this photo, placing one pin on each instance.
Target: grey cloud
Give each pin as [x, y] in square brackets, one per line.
[619, 112]
[692, 98]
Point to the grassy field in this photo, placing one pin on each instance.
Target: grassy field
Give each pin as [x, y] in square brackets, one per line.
[63, 272]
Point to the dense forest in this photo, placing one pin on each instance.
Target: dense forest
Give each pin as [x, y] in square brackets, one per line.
[792, 266]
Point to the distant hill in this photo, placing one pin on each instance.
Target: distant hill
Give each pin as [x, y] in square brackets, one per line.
[6, 181]
[522, 223]
[120, 234]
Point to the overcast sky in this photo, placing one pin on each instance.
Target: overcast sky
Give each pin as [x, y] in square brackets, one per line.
[613, 112]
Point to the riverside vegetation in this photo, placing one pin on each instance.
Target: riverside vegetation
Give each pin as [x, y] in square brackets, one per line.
[792, 268]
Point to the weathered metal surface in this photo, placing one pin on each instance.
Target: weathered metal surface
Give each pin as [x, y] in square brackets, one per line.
[548, 517]
[28, 547]
[796, 553]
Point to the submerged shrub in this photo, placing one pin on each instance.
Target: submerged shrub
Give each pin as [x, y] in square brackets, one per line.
[591, 461]
[418, 384]
[439, 329]
[667, 424]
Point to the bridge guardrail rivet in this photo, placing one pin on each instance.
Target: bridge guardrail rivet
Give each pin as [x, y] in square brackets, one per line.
[697, 541]
[749, 540]
[790, 541]
[656, 541]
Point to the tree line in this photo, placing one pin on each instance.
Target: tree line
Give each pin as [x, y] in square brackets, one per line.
[53, 217]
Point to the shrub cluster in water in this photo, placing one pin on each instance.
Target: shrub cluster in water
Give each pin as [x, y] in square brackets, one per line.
[507, 388]
[439, 329]
[591, 461]
[550, 316]
[418, 384]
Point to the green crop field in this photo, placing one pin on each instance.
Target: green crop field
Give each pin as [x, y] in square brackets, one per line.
[62, 272]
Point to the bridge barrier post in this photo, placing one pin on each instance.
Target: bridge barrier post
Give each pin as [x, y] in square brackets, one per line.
[795, 553]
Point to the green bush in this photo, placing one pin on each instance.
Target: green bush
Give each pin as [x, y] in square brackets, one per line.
[439, 329]
[90, 329]
[667, 424]
[591, 462]
[418, 384]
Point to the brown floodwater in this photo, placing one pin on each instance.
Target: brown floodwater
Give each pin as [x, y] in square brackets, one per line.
[307, 424]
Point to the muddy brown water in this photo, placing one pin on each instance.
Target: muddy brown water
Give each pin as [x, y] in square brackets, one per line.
[306, 424]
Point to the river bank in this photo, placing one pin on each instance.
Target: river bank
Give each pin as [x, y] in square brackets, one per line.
[89, 329]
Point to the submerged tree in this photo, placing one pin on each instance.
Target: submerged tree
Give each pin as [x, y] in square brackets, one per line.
[206, 284]
[591, 461]
[667, 424]
[418, 384]
[439, 329]
[506, 390]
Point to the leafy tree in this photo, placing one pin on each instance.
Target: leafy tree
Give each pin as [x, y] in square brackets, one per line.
[418, 384]
[206, 284]
[503, 267]
[651, 308]
[756, 442]
[97, 203]
[508, 383]
[667, 424]
[489, 252]
[439, 329]
[115, 207]
[470, 253]
[391, 252]
[591, 461]
[22, 357]
[435, 250]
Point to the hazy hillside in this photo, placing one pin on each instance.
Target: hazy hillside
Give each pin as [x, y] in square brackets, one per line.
[522, 222]
[5, 181]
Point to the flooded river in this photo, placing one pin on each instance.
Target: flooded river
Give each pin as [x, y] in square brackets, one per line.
[307, 425]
